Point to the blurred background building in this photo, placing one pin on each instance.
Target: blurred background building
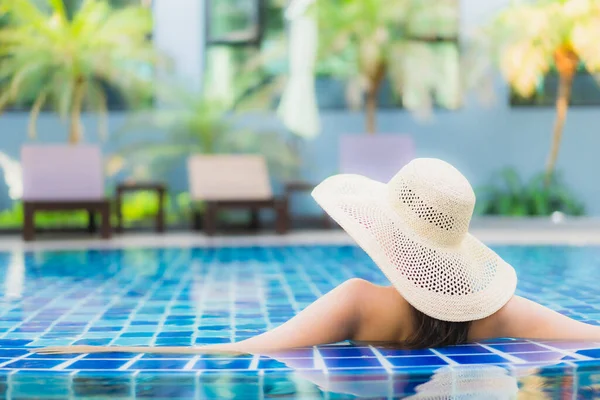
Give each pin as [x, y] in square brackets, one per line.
[216, 82]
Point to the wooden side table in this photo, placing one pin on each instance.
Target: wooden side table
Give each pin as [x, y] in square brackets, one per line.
[302, 186]
[160, 190]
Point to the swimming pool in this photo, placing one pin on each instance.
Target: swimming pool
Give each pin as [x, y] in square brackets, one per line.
[185, 296]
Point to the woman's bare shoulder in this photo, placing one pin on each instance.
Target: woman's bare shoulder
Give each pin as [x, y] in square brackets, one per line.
[526, 319]
[385, 315]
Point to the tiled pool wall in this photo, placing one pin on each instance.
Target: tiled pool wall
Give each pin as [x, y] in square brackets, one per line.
[391, 376]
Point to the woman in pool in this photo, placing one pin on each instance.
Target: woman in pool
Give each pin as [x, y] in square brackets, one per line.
[447, 287]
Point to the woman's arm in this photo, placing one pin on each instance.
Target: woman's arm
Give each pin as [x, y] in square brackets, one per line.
[332, 318]
[522, 318]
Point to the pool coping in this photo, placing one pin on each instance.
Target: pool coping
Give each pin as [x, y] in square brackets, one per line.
[492, 232]
[571, 373]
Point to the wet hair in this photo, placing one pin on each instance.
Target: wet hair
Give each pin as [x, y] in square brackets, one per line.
[431, 332]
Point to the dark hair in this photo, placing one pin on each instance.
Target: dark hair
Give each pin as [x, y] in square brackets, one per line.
[430, 332]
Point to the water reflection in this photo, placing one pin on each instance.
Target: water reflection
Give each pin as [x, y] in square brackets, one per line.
[473, 382]
[15, 276]
[555, 375]
[448, 382]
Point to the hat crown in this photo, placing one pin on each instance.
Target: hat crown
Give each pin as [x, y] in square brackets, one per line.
[434, 198]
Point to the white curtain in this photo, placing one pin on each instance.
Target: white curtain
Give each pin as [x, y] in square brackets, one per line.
[298, 107]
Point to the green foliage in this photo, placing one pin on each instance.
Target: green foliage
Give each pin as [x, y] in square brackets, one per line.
[247, 77]
[362, 42]
[510, 196]
[526, 40]
[139, 209]
[141, 206]
[360, 39]
[67, 62]
[189, 123]
[522, 41]
[13, 218]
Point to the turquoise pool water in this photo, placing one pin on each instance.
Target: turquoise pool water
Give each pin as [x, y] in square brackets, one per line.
[198, 296]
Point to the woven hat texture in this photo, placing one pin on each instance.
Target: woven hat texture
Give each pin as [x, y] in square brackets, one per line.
[415, 228]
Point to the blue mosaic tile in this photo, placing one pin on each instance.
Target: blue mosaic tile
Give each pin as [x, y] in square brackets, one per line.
[404, 362]
[109, 356]
[110, 296]
[33, 364]
[12, 353]
[97, 364]
[479, 359]
[137, 335]
[593, 353]
[222, 364]
[278, 384]
[467, 349]
[518, 347]
[274, 364]
[185, 334]
[222, 357]
[200, 341]
[342, 352]
[541, 356]
[296, 353]
[169, 356]
[51, 356]
[160, 385]
[405, 353]
[30, 384]
[93, 342]
[106, 384]
[292, 363]
[354, 362]
[159, 364]
[243, 384]
[12, 343]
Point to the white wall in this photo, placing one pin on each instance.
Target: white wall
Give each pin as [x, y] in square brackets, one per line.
[179, 33]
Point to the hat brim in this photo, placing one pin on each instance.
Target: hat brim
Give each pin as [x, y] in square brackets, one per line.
[360, 206]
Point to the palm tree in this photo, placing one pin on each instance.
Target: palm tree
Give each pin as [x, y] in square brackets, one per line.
[408, 41]
[528, 40]
[51, 58]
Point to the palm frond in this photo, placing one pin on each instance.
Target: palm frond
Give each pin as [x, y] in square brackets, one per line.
[44, 48]
[130, 24]
[58, 6]
[523, 38]
[523, 65]
[22, 74]
[372, 35]
[25, 11]
[585, 43]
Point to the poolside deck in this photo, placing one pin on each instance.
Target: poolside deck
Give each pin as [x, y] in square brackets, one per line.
[492, 231]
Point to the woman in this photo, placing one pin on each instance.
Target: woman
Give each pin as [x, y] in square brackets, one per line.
[447, 287]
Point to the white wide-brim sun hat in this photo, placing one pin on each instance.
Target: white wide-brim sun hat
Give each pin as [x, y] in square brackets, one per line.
[415, 228]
